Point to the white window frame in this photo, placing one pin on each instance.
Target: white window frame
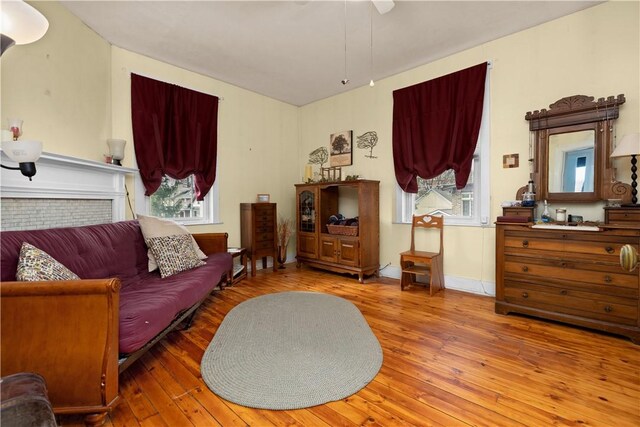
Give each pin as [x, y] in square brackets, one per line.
[210, 205]
[405, 202]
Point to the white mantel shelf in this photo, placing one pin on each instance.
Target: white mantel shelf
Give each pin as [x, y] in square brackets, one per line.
[65, 177]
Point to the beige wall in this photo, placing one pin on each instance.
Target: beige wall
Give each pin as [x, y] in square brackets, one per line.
[60, 86]
[72, 90]
[594, 52]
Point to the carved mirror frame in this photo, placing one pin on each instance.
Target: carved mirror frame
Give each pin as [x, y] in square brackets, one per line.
[570, 114]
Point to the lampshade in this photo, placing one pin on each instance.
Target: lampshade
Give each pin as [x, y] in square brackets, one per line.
[22, 22]
[22, 151]
[629, 145]
[116, 148]
[383, 6]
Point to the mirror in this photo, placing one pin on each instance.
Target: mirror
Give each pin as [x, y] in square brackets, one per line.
[572, 162]
[570, 148]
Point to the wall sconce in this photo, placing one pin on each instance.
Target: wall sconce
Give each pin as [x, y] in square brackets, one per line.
[116, 150]
[21, 23]
[25, 153]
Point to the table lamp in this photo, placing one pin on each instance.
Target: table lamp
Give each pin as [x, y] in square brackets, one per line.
[630, 146]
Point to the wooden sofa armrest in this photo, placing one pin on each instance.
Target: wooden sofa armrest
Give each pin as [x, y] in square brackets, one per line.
[211, 243]
[66, 331]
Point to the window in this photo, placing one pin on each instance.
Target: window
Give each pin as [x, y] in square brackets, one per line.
[439, 196]
[176, 200]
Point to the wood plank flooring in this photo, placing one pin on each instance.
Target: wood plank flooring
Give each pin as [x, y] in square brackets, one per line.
[449, 360]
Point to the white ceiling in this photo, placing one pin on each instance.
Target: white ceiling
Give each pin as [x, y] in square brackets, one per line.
[294, 50]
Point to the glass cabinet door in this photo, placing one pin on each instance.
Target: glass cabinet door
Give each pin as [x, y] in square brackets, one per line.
[307, 212]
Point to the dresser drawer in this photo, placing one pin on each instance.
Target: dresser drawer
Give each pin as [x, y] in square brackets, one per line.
[607, 247]
[265, 244]
[264, 228]
[587, 305]
[264, 236]
[569, 270]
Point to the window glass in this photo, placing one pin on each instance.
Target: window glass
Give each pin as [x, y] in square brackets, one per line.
[176, 198]
[439, 196]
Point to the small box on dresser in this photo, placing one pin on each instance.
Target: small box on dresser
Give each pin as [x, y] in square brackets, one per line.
[519, 211]
[622, 216]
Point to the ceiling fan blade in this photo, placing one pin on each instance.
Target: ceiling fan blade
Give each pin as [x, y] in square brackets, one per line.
[383, 6]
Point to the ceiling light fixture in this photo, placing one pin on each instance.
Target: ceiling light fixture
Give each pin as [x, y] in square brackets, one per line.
[345, 80]
[383, 6]
[20, 23]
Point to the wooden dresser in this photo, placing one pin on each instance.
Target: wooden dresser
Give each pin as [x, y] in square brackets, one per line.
[568, 276]
[258, 232]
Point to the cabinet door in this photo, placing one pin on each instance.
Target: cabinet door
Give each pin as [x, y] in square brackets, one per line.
[307, 201]
[307, 230]
[307, 245]
[348, 251]
[328, 248]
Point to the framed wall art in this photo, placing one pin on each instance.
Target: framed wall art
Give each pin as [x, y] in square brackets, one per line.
[341, 148]
[263, 198]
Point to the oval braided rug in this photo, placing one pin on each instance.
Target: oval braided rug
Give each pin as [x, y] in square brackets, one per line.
[291, 350]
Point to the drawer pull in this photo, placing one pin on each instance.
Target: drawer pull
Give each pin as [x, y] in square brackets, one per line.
[525, 268]
[563, 264]
[609, 250]
[607, 279]
[608, 308]
[563, 292]
[525, 295]
[525, 243]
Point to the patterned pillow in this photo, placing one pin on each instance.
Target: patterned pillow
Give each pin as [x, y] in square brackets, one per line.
[160, 227]
[174, 254]
[35, 265]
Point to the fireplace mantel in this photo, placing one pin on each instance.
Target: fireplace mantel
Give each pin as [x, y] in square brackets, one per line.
[65, 177]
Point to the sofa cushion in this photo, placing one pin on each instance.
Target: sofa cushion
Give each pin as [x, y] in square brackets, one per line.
[143, 293]
[92, 252]
[173, 254]
[160, 227]
[35, 265]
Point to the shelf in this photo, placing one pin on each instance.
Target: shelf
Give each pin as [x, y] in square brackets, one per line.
[417, 269]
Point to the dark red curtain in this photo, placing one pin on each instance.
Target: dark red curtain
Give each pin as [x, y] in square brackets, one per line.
[436, 125]
[175, 133]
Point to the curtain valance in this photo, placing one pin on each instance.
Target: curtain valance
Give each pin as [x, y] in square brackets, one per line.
[436, 125]
[175, 133]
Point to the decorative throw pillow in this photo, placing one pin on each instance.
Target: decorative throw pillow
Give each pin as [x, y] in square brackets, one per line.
[157, 227]
[35, 265]
[174, 254]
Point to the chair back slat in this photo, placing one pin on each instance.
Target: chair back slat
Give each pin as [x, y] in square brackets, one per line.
[426, 221]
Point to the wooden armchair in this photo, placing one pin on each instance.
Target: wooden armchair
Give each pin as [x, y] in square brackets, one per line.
[422, 263]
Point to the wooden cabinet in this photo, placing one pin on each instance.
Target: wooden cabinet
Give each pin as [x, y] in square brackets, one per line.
[258, 232]
[568, 276]
[358, 254]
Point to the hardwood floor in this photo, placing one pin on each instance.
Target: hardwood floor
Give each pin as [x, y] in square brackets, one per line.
[448, 360]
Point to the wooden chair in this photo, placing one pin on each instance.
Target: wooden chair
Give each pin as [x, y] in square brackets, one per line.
[420, 263]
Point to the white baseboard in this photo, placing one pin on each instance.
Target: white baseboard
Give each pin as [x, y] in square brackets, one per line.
[451, 282]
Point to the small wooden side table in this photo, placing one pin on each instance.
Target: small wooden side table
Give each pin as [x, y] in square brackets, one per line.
[239, 270]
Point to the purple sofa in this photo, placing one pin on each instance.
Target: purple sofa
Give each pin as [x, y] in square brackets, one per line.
[131, 308]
